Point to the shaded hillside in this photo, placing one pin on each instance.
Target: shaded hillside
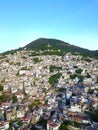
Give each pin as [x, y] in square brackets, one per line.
[54, 44]
[43, 44]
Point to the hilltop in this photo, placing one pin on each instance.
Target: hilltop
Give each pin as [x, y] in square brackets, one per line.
[54, 44]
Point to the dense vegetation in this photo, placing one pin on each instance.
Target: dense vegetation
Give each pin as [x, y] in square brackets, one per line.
[24, 68]
[42, 44]
[54, 79]
[53, 68]
[97, 80]
[93, 115]
[79, 71]
[53, 44]
[3, 97]
[63, 127]
[43, 122]
[36, 60]
[62, 89]
[1, 87]
[77, 75]
[14, 98]
[35, 103]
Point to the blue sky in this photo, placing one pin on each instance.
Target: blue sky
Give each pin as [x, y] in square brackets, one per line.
[73, 21]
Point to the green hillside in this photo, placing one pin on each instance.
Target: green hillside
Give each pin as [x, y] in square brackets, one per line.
[44, 44]
[54, 44]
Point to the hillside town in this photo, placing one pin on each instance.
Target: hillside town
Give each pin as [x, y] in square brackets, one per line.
[48, 92]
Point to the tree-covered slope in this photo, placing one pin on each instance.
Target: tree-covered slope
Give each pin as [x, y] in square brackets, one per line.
[54, 44]
[43, 44]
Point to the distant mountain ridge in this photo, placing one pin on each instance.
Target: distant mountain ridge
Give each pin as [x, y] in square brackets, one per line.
[42, 43]
[46, 43]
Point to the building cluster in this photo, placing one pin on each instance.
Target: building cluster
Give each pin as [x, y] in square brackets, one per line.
[28, 99]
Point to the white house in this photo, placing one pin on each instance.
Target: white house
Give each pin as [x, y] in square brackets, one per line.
[75, 108]
[52, 125]
[20, 114]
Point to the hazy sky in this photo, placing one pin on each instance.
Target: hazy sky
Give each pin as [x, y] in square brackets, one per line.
[73, 21]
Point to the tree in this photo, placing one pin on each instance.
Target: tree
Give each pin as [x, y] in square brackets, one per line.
[1, 87]
[93, 115]
[77, 75]
[79, 71]
[17, 74]
[36, 60]
[63, 127]
[35, 103]
[62, 89]
[88, 75]
[80, 78]
[44, 90]
[14, 98]
[43, 122]
[20, 123]
[73, 76]
[53, 68]
[3, 97]
[97, 81]
[25, 94]
[54, 79]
